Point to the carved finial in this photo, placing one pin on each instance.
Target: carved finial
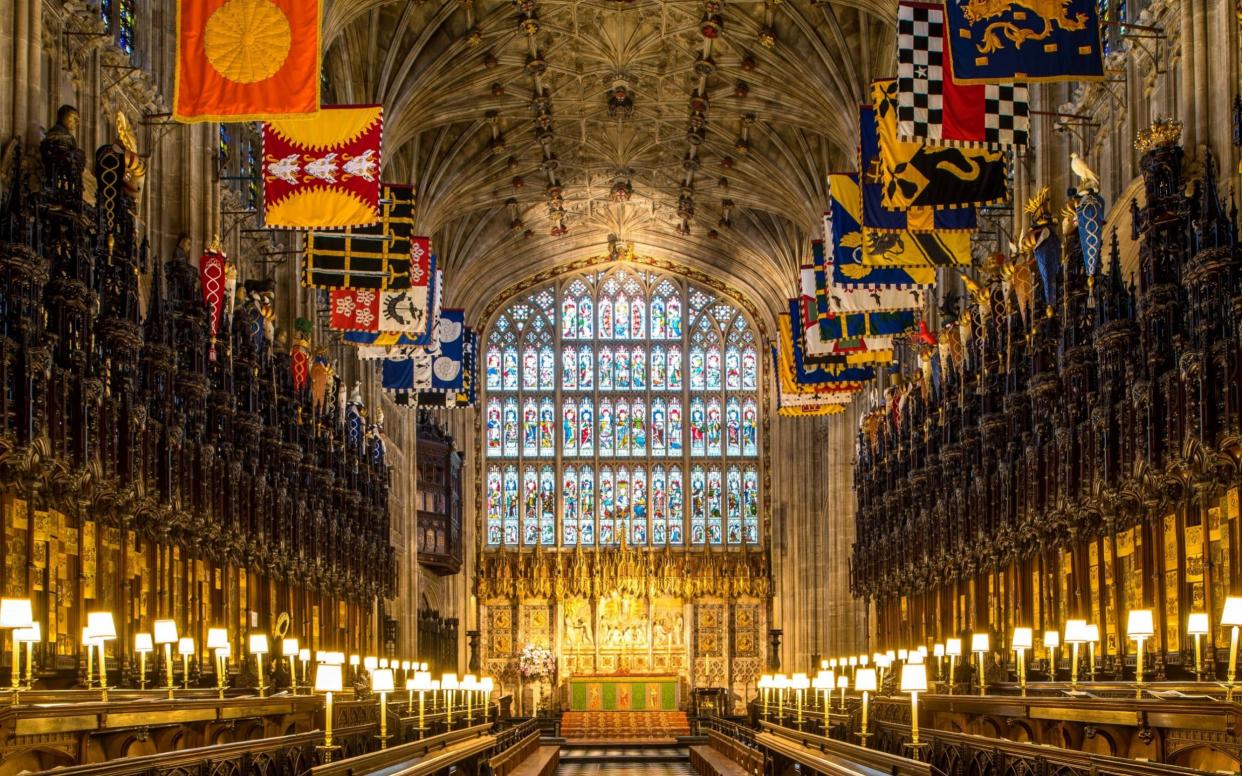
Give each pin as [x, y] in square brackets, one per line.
[215, 246]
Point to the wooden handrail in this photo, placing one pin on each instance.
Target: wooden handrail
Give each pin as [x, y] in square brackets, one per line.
[1055, 756]
[842, 751]
[146, 764]
[438, 762]
[387, 758]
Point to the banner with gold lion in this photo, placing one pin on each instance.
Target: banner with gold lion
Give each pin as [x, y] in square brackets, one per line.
[323, 172]
[246, 60]
[994, 41]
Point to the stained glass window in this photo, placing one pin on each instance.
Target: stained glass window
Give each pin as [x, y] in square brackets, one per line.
[597, 422]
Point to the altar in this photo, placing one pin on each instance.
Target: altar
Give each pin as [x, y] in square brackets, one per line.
[624, 693]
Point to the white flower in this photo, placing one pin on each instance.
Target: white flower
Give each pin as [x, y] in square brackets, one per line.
[364, 316]
[345, 306]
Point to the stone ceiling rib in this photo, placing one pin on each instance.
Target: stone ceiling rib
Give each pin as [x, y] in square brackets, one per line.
[496, 185]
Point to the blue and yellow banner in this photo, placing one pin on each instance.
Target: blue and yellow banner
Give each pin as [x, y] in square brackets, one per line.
[993, 41]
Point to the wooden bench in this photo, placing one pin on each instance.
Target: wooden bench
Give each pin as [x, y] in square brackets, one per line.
[385, 762]
[835, 758]
[722, 756]
[526, 758]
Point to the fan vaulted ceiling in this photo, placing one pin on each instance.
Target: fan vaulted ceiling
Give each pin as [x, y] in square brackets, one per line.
[538, 130]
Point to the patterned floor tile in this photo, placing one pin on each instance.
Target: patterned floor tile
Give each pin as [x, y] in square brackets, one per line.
[622, 768]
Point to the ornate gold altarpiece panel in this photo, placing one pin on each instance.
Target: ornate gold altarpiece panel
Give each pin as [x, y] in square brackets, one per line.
[698, 616]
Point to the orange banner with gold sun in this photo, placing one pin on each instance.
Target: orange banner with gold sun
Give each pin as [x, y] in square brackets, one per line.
[246, 60]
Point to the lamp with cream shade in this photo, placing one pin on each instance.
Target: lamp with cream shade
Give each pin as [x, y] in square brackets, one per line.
[218, 643]
[1197, 626]
[764, 686]
[185, 648]
[166, 635]
[1093, 639]
[327, 681]
[823, 683]
[914, 681]
[1140, 626]
[1232, 616]
[1052, 640]
[487, 685]
[800, 684]
[382, 684]
[259, 648]
[1075, 634]
[29, 636]
[864, 682]
[422, 685]
[953, 648]
[143, 645]
[16, 613]
[843, 683]
[289, 649]
[980, 644]
[449, 684]
[103, 630]
[1023, 639]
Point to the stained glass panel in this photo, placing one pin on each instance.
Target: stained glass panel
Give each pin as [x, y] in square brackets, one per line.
[621, 400]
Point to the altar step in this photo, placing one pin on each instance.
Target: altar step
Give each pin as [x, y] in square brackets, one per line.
[625, 758]
[625, 726]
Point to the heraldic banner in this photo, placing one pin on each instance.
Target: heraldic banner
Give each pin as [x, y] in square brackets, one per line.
[246, 60]
[323, 172]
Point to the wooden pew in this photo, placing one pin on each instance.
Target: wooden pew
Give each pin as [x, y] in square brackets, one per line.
[527, 758]
[282, 754]
[462, 744]
[836, 758]
[724, 756]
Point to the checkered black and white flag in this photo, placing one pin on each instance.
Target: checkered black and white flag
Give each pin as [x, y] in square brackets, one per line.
[932, 108]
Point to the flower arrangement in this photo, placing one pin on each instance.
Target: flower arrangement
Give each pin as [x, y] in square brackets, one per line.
[535, 662]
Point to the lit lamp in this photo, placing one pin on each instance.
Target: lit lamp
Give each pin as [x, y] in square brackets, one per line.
[822, 683]
[103, 630]
[843, 683]
[862, 661]
[143, 645]
[17, 613]
[381, 682]
[422, 684]
[405, 670]
[370, 663]
[883, 664]
[1231, 616]
[864, 682]
[1197, 626]
[914, 681]
[1093, 638]
[922, 650]
[800, 683]
[486, 686]
[1052, 640]
[185, 648]
[222, 660]
[938, 653]
[327, 681]
[166, 634]
[764, 685]
[289, 649]
[780, 683]
[953, 648]
[853, 664]
[980, 644]
[449, 684]
[1075, 634]
[259, 648]
[1140, 627]
[304, 656]
[1023, 639]
[217, 640]
[469, 686]
[354, 662]
[29, 636]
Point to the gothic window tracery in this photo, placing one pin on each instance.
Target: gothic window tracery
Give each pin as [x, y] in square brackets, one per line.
[634, 364]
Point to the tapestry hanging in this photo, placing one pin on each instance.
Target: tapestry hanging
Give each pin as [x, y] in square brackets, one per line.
[1031, 40]
[386, 255]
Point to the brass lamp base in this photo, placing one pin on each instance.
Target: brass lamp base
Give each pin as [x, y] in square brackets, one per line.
[327, 753]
